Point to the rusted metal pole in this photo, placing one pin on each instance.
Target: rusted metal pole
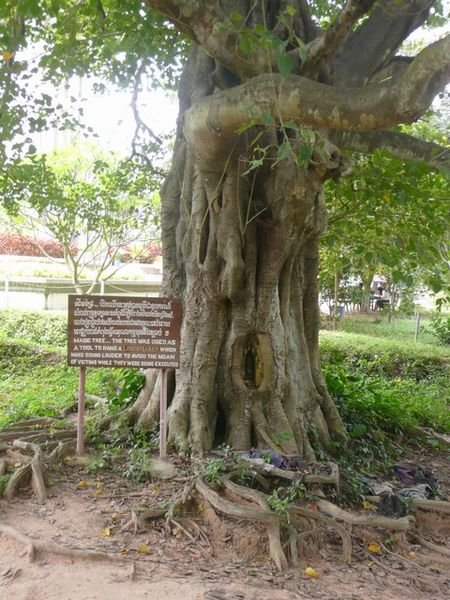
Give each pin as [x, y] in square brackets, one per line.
[162, 413]
[80, 417]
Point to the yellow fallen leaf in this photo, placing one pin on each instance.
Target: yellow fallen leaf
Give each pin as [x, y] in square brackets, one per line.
[311, 572]
[374, 548]
[82, 485]
[412, 554]
[99, 489]
[106, 532]
[144, 549]
[115, 516]
[367, 505]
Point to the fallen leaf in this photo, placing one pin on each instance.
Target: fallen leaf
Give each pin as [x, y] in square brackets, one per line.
[412, 554]
[82, 485]
[99, 489]
[116, 516]
[106, 532]
[374, 548]
[144, 549]
[310, 572]
[367, 505]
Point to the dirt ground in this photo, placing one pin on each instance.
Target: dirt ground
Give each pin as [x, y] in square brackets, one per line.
[206, 557]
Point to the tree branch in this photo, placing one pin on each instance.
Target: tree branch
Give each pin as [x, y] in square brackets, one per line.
[199, 19]
[401, 145]
[210, 125]
[323, 47]
[376, 41]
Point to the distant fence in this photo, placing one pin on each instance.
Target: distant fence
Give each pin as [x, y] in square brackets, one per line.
[39, 293]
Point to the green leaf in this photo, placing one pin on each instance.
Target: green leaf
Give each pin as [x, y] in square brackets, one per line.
[291, 125]
[246, 42]
[359, 429]
[285, 64]
[235, 17]
[267, 119]
[283, 151]
[247, 125]
[304, 155]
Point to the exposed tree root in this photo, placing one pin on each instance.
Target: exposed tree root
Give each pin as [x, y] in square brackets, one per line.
[32, 469]
[315, 515]
[273, 528]
[137, 520]
[332, 510]
[305, 474]
[438, 506]
[33, 547]
[430, 545]
[261, 515]
[442, 437]
[26, 436]
[191, 538]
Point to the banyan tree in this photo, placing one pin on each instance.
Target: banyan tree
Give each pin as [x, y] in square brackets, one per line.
[269, 101]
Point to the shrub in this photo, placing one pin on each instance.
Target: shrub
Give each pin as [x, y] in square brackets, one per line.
[439, 326]
[147, 255]
[35, 327]
[21, 245]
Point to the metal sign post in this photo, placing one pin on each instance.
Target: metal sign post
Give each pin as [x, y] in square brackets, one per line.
[163, 413]
[80, 416]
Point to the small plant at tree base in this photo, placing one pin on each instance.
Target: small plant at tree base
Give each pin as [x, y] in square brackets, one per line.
[280, 499]
[3, 483]
[132, 382]
[213, 472]
[106, 459]
[141, 445]
[242, 473]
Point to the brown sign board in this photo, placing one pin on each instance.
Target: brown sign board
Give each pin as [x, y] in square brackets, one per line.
[124, 331]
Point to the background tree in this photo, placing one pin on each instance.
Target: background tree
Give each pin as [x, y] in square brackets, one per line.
[390, 218]
[270, 95]
[93, 204]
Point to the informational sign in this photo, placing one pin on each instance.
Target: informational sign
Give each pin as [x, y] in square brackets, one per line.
[124, 331]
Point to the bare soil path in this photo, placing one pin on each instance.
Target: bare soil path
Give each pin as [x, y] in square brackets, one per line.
[228, 561]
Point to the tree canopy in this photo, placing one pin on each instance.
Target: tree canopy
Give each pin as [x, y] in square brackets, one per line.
[93, 203]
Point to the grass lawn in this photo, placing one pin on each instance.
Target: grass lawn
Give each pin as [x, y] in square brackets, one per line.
[379, 326]
[374, 370]
[40, 383]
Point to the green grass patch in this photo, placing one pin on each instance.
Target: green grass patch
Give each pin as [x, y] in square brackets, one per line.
[34, 327]
[38, 382]
[387, 357]
[399, 329]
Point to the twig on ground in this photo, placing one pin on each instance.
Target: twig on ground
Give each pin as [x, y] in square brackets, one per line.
[190, 537]
[33, 547]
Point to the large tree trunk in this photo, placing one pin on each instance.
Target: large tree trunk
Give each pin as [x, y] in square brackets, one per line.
[242, 252]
